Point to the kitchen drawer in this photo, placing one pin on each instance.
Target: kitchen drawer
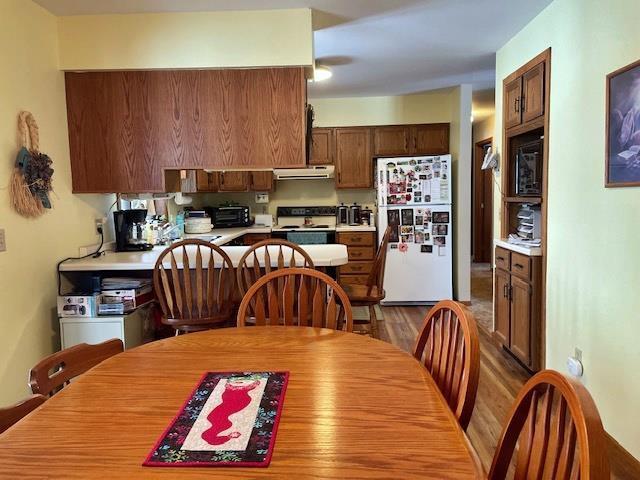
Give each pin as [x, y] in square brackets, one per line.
[360, 268]
[361, 253]
[520, 265]
[503, 258]
[356, 238]
[353, 279]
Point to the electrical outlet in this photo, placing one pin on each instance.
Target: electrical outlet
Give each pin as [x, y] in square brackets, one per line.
[262, 198]
[100, 223]
[578, 355]
[3, 242]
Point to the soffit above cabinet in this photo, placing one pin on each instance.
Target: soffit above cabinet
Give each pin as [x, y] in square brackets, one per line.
[235, 39]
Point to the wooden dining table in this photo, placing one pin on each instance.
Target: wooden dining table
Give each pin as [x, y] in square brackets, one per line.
[354, 407]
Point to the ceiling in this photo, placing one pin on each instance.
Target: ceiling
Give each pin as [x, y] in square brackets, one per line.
[376, 47]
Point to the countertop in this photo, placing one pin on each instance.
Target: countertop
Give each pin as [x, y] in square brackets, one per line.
[524, 250]
[329, 255]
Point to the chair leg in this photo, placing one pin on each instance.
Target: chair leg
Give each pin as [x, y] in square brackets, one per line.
[374, 321]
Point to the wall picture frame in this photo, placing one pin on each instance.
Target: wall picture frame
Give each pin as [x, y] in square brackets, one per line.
[622, 165]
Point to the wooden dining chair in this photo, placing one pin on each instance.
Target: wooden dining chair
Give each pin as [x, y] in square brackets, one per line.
[297, 296]
[195, 285]
[257, 261]
[54, 372]
[372, 292]
[13, 414]
[556, 425]
[449, 348]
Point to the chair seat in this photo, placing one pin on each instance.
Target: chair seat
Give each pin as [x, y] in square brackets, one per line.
[361, 295]
[216, 319]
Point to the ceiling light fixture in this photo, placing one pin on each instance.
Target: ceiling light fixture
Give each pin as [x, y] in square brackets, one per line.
[321, 73]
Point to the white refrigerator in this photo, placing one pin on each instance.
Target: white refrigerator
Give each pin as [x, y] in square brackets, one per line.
[414, 197]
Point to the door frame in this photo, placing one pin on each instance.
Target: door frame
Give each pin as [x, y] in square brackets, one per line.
[478, 177]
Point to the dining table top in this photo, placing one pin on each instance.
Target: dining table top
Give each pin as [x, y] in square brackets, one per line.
[354, 407]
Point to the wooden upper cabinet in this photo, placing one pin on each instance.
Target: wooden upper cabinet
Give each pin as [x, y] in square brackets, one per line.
[533, 93]
[322, 146]
[233, 181]
[431, 139]
[354, 161]
[425, 139]
[261, 181]
[394, 140]
[125, 128]
[512, 98]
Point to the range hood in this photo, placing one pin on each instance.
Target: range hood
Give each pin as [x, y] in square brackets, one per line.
[311, 173]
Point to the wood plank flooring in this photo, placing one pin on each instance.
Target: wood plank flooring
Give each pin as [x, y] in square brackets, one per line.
[501, 377]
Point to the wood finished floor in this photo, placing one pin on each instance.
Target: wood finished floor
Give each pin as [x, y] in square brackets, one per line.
[501, 377]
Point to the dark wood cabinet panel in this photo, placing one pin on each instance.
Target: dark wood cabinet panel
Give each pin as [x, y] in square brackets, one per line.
[502, 307]
[125, 128]
[322, 146]
[521, 320]
[393, 140]
[261, 181]
[533, 93]
[512, 99]
[431, 139]
[353, 158]
[233, 181]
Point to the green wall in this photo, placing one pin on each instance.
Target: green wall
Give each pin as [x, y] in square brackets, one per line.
[593, 269]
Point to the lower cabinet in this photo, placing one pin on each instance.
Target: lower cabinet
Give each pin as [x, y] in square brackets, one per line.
[361, 247]
[517, 298]
[253, 238]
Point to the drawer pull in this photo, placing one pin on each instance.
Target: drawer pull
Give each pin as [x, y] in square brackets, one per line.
[356, 239]
[518, 265]
[356, 254]
[500, 258]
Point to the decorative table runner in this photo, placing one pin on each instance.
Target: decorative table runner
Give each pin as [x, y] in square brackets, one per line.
[230, 419]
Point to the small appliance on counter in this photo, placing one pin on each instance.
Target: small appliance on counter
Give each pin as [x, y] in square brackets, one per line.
[263, 220]
[230, 216]
[130, 228]
[366, 217]
[355, 216]
[343, 214]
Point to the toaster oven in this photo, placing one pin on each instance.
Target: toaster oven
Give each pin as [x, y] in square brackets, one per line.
[226, 217]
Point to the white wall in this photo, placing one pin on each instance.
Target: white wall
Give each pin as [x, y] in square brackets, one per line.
[593, 264]
[31, 81]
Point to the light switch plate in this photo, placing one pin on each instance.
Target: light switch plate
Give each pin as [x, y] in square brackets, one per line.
[3, 243]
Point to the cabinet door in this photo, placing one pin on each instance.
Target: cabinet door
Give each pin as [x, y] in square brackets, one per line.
[431, 139]
[262, 181]
[353, 158]
[233, 181]
[322, 148]
[521, 319]
[533, 93]
[501, 306]
[394, 140]
[206, 181]
[512, 98]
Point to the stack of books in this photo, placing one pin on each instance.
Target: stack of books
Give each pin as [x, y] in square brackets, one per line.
[120, 295]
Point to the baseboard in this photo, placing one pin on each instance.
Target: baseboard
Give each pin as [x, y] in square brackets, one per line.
[465, 302]
[623, 464]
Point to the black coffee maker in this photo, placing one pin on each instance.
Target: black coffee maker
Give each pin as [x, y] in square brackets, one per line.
[130, 230]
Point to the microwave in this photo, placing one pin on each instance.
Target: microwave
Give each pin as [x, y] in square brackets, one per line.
[529, 169]
[226, 217]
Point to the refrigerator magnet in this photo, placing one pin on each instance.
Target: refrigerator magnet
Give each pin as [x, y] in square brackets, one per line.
[407, 216]
[419, 237]
[440, 229]
[393, 217]
[393, 246]
[403, 247]
[440, 217]
[426, 248]
[440, 241]
[395, 236]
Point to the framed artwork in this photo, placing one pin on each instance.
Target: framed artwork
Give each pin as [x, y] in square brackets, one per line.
[623, 127]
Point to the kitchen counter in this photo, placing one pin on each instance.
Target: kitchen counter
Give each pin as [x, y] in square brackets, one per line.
[329, 255]
[227, 234]
[523, 249]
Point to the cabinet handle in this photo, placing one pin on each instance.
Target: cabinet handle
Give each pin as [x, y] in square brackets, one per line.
[518, 265]
[356, 254]
[517, 105]
[356, 239]
[222, 178]
[500, 258]
[505, 291]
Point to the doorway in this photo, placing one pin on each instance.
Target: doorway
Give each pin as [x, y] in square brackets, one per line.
[482, 205]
